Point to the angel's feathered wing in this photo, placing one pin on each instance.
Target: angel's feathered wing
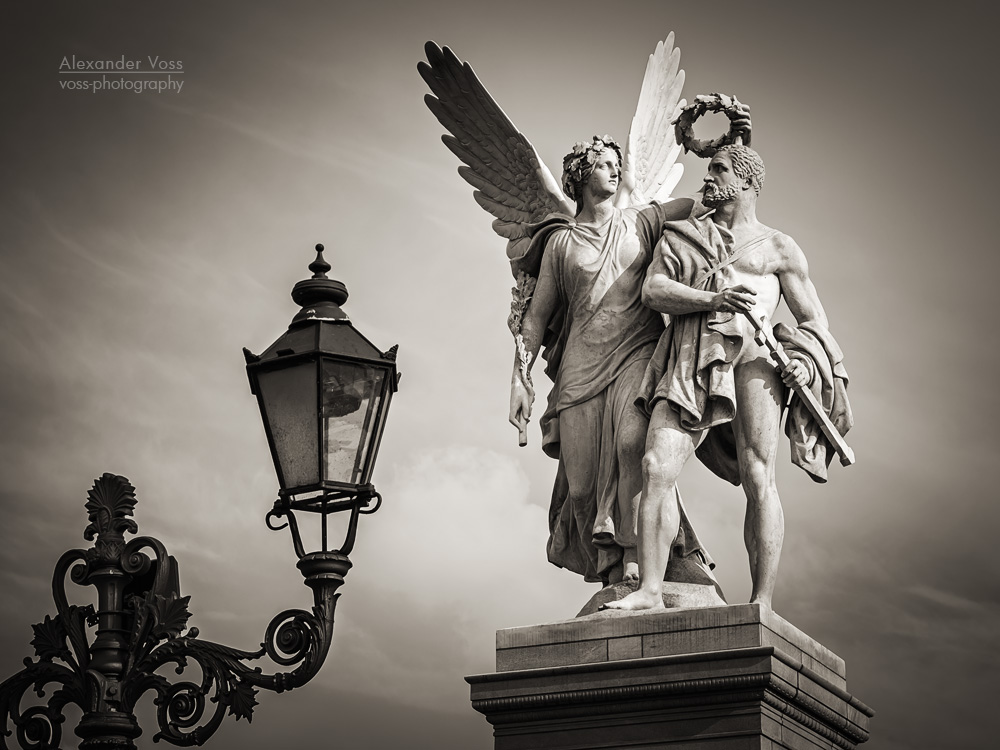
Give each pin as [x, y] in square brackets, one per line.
[652, 149]
[510, 179]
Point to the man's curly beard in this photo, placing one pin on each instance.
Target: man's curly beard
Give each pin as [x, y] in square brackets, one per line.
[714, 196]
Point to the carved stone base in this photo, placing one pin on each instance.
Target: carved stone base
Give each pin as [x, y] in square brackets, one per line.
[720, 678]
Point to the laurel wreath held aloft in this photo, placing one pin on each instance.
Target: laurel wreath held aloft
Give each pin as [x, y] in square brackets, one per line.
[684, 124]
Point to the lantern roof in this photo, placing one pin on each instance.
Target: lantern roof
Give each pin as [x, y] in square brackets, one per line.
[321, 326]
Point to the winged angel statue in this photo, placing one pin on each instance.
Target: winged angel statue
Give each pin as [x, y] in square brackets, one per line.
[579, 249]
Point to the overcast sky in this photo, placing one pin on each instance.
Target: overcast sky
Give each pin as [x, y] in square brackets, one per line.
[146, 237]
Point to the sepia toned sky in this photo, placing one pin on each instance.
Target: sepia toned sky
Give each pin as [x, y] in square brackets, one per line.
[146, 237]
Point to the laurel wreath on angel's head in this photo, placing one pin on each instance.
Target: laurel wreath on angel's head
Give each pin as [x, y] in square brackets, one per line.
[582, 158]
[702, 104]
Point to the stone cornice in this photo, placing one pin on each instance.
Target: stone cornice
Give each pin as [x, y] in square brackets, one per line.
[766, 687]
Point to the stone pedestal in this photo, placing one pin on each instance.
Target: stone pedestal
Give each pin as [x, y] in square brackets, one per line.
[719, 678]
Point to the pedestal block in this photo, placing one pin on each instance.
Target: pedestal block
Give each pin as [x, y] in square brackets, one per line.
[719, 678]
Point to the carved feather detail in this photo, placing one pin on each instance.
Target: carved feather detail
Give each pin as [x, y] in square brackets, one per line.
[510, 180]
[652, 149]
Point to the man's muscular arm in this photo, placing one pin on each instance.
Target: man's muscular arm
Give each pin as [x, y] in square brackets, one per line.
[536, 318]
[802, 300]
[797, 288]
[665, 295]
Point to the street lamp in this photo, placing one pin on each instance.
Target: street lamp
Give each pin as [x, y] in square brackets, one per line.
[324, 392]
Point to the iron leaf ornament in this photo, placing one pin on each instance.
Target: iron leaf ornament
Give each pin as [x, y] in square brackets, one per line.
[242, 700]
[170, 614]
[50, 639]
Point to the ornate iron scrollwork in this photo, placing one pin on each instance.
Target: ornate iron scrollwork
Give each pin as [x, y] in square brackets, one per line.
[141, 625]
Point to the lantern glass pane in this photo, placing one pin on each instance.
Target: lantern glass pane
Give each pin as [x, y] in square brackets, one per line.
[377, 436]
[289, 398]
[352, 394]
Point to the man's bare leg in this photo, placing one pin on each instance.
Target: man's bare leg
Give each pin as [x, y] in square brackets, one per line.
[668, 447]
[759, 392]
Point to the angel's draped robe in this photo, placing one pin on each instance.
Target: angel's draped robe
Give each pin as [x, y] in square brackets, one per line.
[597, 348]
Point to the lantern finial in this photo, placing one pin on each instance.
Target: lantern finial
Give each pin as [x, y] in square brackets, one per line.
[319, 267]
[320, 296]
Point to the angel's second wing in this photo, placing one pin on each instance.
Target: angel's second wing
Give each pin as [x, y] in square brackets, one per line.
[511, 181]
[652, 147]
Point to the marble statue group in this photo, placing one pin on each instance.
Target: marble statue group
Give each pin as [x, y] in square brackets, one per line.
[652, 315]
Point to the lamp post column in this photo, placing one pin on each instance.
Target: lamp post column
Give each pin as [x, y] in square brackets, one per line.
[106, 724]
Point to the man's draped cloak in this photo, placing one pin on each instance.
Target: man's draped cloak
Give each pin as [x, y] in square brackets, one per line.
[692, 365]
[600, 334]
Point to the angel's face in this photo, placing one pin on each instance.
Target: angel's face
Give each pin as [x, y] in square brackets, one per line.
[603, 181]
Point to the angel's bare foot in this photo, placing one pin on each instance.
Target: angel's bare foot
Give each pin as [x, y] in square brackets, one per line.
[764, 601]
[637, 600]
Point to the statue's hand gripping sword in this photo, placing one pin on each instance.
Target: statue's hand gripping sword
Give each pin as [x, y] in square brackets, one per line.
[764, 336]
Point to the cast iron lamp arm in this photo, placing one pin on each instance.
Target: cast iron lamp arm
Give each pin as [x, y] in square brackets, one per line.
[293, 636]
[38, 727]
